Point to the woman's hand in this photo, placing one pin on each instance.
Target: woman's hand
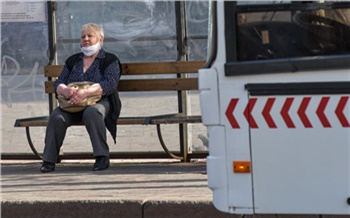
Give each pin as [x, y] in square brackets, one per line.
[78, 96]
[66, 91]
[69, 92]
[75, 96]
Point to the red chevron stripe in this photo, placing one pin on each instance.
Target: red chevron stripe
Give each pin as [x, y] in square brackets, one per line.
[266, 113]
[320, 112]
[301, 112]
[248, 113]
[229, 113]
[339, 111]
[284, 112]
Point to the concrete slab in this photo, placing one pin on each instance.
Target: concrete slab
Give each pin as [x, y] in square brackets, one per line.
[159, 209]
[126, 189]
[73, 209]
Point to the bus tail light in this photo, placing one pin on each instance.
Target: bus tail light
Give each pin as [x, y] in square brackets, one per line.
[241, 166]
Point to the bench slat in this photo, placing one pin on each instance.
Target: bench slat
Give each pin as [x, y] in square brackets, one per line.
[162, 67]
[175, 84]
[162, 119]
[143, 68]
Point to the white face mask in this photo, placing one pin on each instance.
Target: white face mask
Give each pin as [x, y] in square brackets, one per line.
[90, 50]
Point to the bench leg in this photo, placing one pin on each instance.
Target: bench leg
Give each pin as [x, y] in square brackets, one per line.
[29, 139]
[159, 132]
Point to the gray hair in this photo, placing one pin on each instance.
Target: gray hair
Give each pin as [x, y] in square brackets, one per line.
[94, 27]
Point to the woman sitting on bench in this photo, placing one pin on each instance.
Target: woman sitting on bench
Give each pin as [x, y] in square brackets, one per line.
[95, 65]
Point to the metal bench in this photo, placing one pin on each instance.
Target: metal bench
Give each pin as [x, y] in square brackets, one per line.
[179, 83]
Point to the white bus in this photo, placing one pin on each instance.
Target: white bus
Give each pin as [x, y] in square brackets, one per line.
[275, 101]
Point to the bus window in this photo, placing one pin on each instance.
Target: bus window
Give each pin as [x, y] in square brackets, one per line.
[294, 35]
[288, 34]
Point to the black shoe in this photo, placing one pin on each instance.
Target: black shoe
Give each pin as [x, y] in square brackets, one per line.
[47, 167]
[101, 163]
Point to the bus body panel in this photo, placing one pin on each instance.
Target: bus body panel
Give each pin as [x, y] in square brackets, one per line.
[287, 121]
[299, 163]
[297, 143]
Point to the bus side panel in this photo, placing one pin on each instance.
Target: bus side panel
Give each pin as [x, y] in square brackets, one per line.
[232, 192]
[209, 96]
[216, 168]
[240, 183]
[301, 163]
[233, 101]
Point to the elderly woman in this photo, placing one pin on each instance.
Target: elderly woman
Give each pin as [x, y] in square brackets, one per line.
[103, 69]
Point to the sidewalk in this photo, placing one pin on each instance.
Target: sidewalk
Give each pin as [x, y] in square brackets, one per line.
[154, 188]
